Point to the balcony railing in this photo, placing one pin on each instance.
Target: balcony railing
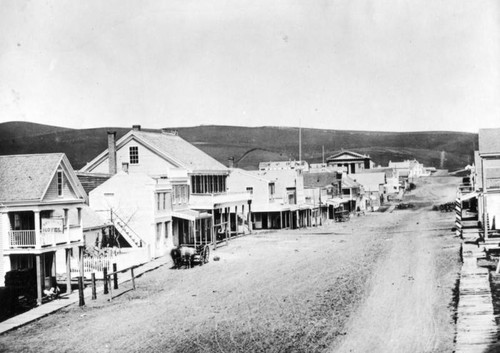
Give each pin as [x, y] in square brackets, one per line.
[465, 188]
[207, 201]
[22, 238]
[27, 238]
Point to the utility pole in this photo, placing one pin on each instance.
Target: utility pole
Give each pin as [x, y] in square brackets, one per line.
[300, 141]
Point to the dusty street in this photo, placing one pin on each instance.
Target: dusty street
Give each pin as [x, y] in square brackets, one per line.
[382, 282]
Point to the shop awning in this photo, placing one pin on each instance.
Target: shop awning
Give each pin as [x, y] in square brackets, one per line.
[336, 201]
[190, 215]
[468, 196]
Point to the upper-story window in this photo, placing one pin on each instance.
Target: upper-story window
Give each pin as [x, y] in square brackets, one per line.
[60, 183]
[180, 194]
[208, 184]
[161, 201]
[134, 154]
[250, 190]
[272, 190]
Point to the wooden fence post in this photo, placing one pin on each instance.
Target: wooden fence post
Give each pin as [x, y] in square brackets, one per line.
[105, 274]
[94, 292]
[80, 291]
[133, 277]
[110, 288]
[115, 277]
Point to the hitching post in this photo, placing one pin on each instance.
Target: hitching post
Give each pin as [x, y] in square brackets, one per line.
[105, 274]
[80, 291]
[115, 277]
[94, 292]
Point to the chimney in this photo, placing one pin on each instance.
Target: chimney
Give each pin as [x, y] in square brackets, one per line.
[136, 127]
[112, 151]
[230, 162]
[125, 167]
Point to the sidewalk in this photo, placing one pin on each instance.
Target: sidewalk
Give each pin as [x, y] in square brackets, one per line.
[66, 300]
[476, 325]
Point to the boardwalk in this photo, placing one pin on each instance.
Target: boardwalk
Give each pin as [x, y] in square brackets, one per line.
[476, 327]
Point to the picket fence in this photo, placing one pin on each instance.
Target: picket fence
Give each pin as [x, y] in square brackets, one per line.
[96, 263]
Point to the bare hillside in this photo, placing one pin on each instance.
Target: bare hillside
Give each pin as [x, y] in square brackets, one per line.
[248, 146]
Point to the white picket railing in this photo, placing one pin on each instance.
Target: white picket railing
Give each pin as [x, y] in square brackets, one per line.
[22, 238]
[27, 238]
[97, 263]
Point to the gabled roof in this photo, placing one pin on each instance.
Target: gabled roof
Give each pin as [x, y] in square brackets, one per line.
[349, 154]
[489, 141]
[170, 147]
[27, 177]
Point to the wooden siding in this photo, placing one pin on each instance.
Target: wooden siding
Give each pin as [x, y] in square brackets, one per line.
[68, 192]
[149, 162]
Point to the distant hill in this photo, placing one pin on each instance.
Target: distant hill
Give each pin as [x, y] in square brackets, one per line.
[15, 129]
[251, 145]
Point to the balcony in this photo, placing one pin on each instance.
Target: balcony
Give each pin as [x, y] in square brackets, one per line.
[211, 201]
[27, 239]
[465, 188]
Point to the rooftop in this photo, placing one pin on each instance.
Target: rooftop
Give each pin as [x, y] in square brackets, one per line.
[26, 177]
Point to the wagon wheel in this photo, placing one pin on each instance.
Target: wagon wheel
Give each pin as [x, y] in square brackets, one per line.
[206, 254]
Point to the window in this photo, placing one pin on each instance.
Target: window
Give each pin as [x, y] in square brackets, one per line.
[250, 190]
[208, 184]
[291, 196]
[272, 190]
[60, 183]
[180, 194]
[159, 227]
[134, 154]
[161, 201]
[166, 230]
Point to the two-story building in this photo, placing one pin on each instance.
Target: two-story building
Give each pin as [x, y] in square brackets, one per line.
[487, 180]
[39, 196]
[140, 207]
[373, 186]
[196, 178]
[278, 199]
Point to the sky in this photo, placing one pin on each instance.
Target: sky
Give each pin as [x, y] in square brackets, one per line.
[392, 65]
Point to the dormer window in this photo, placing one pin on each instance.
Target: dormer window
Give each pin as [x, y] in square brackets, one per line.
[60, 183]
[134, 154]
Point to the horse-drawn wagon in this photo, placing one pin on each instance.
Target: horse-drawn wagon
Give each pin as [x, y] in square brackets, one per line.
[341, 215]
[195, 252]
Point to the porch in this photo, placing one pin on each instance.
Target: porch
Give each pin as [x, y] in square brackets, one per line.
[23, 230]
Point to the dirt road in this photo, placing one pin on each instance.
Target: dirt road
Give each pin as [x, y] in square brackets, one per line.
[378, 283]
[410, 293]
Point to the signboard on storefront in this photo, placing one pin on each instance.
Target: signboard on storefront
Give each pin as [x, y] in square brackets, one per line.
[52, 225]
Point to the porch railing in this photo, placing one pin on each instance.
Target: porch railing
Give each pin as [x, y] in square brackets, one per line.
[52, 238]
[22, 238]
[27, 238]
